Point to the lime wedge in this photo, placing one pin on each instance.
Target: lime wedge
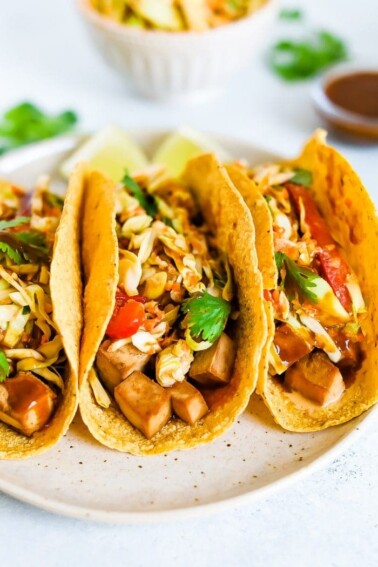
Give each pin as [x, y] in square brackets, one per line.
[178, 148]
[111, 151]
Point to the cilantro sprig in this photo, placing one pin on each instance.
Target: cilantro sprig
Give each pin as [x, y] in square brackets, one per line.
[207, 316]
[26, 123]
[146, 201]
[23, 247]
[291, 14]
[4, 224]
[4, 366]
[302, 278]
[35, 239]
[53, 200]
[302, 177]
[295, 60]
[12, 253]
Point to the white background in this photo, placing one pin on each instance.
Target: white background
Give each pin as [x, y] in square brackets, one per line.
[330, 519]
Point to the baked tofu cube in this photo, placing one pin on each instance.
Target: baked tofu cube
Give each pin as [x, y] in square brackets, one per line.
[316, 378]
[26, 403]
[187, 402]
[214, 366]
[145, 404]
[118, 365]
[290, 347]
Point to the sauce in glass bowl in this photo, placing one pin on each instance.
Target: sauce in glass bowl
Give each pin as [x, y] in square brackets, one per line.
[347, 99]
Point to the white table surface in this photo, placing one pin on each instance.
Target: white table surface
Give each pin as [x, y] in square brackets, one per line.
[330, 518]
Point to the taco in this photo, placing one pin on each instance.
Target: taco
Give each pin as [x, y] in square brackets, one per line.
[40, 315]
[173, 317]
[316, 238]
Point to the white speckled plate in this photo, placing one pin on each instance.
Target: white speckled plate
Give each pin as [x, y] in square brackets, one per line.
[81, 478]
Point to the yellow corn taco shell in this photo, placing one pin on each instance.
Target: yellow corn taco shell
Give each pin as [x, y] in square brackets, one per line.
[66, 290]
[226, 213]
[350, 213]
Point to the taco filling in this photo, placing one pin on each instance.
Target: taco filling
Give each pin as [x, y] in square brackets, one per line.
[318, 305]
[32, 359]
[169, 339]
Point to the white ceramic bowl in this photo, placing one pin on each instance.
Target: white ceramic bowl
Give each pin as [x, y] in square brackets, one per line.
[179, 65]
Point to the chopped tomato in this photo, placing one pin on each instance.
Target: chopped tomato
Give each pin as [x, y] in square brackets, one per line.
[334, 267]
[128, 316]
[335, 270]
[318, 227]
[267, 295]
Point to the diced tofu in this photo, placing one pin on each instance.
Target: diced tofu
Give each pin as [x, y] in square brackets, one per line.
[118, 365]
[145, 404]
[316, 378]
[289, 346]
[26, 403]
[187, 402]
[214, 366]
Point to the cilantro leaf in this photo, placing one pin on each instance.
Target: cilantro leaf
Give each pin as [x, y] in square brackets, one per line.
[168, 222]
[291, 14]
[26, 123]
[11, 252]
[295, 60]
[19, 251]
[14, 222]
[299, 276]
[279, 258]
[33, 238]
[26, 310]
[146, 201]
[4, 366]
[302, 177]
[54, 201]
[207, 316]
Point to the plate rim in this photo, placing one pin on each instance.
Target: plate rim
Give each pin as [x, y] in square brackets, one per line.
[196, 511]
[186, 512]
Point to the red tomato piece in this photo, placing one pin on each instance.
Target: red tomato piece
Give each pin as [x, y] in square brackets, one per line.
[335, 270]
[334, 267]
[267, 295]
[128, 316]
[318, 227]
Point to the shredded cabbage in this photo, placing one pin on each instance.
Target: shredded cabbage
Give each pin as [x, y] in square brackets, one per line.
[173, 363]
[99, 392]
[324, 341]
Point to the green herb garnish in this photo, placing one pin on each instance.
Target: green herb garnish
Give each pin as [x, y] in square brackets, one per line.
[19, 251]
[207, 316]
[54, 201]
[291, 14]
[168, 222]
[295, 60]
[279, 258]
[302, 278]
[11, 252]
[14, 222]
[4, 366]
[26, 310]
[26, 123]
[302, 177]
[146, 201]
[35, 239]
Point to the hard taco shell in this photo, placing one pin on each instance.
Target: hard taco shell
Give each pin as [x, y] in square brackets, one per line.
[66, 290]
[351, 216]
[227, 215]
